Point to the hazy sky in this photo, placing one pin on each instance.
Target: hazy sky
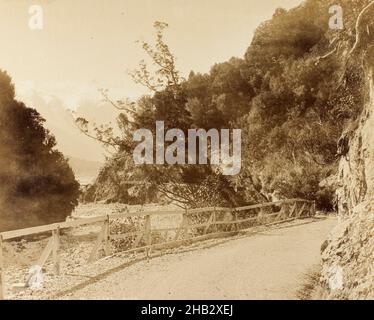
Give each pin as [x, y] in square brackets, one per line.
[88, 44]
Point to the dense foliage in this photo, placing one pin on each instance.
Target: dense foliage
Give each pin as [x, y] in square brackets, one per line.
[290, 96]
[37, 186]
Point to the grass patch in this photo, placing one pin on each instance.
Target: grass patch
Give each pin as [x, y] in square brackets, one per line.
[310, 284]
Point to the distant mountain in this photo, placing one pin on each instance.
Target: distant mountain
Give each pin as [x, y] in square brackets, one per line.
[60, 121]
[85, 171]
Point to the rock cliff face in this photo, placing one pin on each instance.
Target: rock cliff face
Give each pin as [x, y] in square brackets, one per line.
[348, 255]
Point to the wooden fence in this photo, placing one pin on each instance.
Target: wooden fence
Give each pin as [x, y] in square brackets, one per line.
[210, 222]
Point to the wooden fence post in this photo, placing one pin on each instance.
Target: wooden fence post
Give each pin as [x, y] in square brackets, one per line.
[234, 216]
[2, 270]
[45, 253]
[300, 213]
[283, 211]
[186, 223]
[209, 223]
[98, 244]
[148, 234]
[107, 236]
[215, 220]
[56, 248]
[314, 210]
[183, 225]
[293, 210]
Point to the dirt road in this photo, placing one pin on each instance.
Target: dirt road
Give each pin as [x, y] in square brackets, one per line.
[267, 265]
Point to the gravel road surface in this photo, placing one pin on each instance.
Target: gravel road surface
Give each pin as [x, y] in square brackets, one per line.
[266, 265]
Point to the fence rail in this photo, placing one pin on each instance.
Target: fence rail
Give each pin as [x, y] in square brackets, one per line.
[238, 220]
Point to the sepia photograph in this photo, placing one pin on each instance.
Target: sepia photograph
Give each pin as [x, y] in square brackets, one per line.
[187, 150]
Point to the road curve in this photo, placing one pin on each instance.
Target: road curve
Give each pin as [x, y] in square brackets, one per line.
[267, 265]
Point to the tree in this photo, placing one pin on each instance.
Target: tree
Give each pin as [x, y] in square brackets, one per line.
[168, 102]
[37, 186]
[291, 95]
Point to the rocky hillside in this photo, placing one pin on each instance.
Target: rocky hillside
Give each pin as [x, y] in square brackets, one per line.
[348, 268]
[348, 255]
